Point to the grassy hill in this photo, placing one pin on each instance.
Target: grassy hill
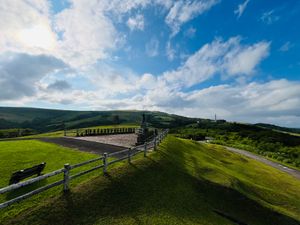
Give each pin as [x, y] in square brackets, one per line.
[43, 120]
[185, 182]
[279, 146]
[278, 128]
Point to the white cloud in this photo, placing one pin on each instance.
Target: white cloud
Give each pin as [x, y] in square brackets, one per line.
[269, 17]
[152, 47]
[272, 102]
[254, 100]
[119, 82]
[136, 23]
[243, 60]
[241, 8]
[79, 35]
[286, 46]
[87, 33]
[230, 58]
[183, 11]
[84, 32]
[26, 27]
[124, 6]
[171, 53]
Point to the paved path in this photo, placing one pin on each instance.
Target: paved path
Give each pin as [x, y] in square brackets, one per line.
[293, 172]
[82, 145]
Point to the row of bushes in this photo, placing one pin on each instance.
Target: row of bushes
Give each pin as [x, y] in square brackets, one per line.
[12, 133]
[277, 150]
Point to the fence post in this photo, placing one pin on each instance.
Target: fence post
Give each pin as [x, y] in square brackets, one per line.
[154, 143]
[66, 177]
[105, 163]
[145, 149]
[129, 155]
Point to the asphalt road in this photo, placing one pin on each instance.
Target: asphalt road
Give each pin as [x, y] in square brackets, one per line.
[293, 172]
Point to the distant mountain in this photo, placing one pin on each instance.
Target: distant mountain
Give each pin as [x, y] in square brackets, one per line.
[43, 120]
[278, 128]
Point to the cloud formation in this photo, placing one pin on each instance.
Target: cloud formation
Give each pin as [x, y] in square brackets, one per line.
[136, 23]
[87, 33]
[269, 17]
[255, 102]
[286, 46]
[19, 73]
[229, 58]
[183, 11]
[241, 8]
[26, 27]
[59, 85]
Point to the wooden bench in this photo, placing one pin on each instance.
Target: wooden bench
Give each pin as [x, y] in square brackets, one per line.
[22, 174]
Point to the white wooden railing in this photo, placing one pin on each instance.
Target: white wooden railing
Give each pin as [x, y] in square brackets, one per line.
[123, 155]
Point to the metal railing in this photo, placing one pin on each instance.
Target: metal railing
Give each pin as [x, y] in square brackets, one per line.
[124, 154]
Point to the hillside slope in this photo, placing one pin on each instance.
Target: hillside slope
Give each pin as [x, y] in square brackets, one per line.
[183, 183]
[44, 120]
[278, 128]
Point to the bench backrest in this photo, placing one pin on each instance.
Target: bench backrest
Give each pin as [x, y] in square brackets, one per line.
[22, 174]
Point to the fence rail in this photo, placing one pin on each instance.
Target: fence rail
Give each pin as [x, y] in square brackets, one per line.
[128, 154]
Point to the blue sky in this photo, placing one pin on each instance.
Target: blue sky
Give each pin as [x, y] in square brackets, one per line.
[239, 59]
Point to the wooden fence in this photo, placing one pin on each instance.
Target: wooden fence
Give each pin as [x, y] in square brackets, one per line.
[126, 154]
[99, 131]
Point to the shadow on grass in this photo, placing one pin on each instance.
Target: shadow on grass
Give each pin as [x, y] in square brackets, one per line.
[146, 191]
[23, 190]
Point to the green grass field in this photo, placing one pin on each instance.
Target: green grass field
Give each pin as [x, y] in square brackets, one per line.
[16, 155]
[183, 183]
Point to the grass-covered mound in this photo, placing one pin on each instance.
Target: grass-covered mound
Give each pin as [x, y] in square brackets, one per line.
[183, 183]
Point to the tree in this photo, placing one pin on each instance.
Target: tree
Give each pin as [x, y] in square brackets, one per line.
[116, 119]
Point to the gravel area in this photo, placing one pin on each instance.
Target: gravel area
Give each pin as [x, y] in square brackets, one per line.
[124, 140]
[82, 145]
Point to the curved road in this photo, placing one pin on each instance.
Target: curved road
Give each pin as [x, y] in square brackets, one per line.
[293, 172]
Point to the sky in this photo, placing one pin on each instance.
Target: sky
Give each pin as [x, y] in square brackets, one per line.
[239, 59]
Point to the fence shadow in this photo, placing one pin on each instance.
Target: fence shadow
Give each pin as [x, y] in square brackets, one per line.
[23, 190]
